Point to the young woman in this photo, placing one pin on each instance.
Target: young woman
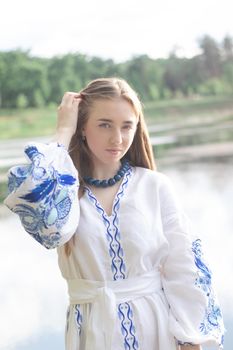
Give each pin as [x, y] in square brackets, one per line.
[135, 272]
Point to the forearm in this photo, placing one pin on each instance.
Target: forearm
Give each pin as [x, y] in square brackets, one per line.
[67, 118]
[63, 137]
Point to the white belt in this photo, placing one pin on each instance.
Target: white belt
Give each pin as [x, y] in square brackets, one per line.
[104, 296]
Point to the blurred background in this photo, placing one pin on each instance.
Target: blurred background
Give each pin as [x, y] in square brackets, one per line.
[178, 56]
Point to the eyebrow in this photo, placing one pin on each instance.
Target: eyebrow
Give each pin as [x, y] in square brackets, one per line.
[110, 121]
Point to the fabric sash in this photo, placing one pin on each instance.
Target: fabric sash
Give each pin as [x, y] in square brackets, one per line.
[104, 296]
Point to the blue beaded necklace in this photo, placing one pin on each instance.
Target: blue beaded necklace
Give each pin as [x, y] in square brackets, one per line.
[125, 166]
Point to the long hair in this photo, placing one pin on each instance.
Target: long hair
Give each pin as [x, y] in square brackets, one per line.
[140, 152]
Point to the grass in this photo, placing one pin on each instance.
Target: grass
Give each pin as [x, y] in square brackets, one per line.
[3, 170]
[26, 123]
[3, 191]
[180, 108]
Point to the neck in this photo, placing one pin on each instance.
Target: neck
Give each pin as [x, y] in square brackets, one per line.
[105, 171]
[106, 182]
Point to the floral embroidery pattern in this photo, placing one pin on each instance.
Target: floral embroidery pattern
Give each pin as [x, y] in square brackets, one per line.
[78, 318]
[212, 321]
[115, 249]
[127, 328]
[17, 176]
[53, 194]
[116, 252]
[118, 265]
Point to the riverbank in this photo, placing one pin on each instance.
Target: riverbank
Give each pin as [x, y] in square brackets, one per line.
[181, 131]
[33, 122]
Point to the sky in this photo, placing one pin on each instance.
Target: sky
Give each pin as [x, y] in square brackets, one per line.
[112, 29]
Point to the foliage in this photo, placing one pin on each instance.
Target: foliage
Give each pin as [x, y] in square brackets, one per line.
[27, 81]
[21, 101]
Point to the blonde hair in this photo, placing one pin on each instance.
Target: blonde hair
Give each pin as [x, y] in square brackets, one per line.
[140, 152]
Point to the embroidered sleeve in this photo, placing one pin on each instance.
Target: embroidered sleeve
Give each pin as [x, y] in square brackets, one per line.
[195, 316]
[44, 194]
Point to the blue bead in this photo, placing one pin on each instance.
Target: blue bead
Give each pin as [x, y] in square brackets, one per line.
[91, 181]
[117, 177]
[111, 182]
[87, 179]
[104, 183]
[125, 166]
[96, 183]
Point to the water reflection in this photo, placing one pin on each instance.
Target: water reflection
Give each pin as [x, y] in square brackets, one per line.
[206, 191]
[33, 297]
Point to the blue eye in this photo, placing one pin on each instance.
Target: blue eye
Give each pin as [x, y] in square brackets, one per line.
[105, 125]
[127, 127]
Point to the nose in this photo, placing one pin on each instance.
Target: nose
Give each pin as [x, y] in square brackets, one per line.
[116, 137]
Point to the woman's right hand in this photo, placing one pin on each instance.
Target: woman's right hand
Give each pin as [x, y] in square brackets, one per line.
[67, 117]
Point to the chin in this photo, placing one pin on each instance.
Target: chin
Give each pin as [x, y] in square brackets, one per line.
[113, 158]
[106, 161]
[113, 161]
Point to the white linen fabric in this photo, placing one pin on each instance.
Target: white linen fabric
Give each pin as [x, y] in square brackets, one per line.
[104, 295]
[148, 237]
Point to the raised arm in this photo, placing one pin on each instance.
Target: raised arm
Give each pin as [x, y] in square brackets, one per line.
[67, 118]
[44, 193]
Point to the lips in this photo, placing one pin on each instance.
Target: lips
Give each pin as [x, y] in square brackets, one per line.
[114, 151]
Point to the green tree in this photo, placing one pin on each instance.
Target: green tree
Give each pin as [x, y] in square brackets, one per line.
[22, 75]
[21, 101]
[38, 99]
[227, 46]
[211, 56]
[63, 76]
[145, 75]
[228, 75]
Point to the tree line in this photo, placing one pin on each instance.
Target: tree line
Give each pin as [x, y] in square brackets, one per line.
[27, 81]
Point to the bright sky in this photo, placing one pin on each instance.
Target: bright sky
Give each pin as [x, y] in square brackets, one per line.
[112, 29]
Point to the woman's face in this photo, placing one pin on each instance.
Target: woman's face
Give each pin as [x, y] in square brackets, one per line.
[110, 130]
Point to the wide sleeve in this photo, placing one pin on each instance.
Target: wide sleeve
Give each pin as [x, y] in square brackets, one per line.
[194, 313]
[44, 193]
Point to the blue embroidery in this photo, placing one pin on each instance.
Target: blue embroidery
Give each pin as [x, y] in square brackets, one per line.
[78, 318]
[17, 176]
[33, 153]
[53, 195]
[127, 328]
[48, 187]
[107, 223]
[184, 343]
[212, 322]
[31, 219]
[115, 249]
[67, 318]
[118, 266]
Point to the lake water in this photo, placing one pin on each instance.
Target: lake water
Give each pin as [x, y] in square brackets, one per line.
[206, 192]
[33, 294]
